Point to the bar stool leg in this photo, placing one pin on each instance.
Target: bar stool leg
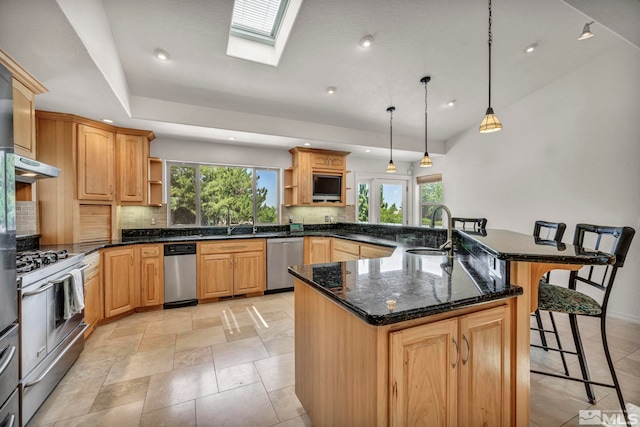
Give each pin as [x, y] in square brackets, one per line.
[555, 332]
[613, 371]
[573, 320]
[543, 336]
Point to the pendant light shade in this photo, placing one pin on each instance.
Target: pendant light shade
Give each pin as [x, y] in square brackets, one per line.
[490, 122]
[426, 160]
[586, 31]
[391, 168]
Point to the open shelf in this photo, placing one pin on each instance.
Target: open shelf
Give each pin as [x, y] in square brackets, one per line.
[154, 182]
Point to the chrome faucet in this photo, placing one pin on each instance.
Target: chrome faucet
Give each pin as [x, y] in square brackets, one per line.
[229, 228]
[448, 245]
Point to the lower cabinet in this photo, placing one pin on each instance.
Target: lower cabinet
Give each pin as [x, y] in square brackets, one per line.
[344, 250]
[317, 250]
[231, 268]
[120, 280]
[151, 275]
[454, 372]
[93, 304]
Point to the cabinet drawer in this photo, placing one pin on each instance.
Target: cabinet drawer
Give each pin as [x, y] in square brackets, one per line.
[93, 262]
[373, 251]
[324, 161]
[346, 246]
[149, 251]
[231, 246]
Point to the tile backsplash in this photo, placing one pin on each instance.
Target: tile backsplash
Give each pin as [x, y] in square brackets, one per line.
[143, 216]
[26, 218]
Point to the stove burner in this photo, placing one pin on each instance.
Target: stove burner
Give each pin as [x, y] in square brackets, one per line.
[32, 260]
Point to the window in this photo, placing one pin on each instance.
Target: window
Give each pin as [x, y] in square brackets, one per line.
[257, 20]
[201, 194]
[430, 192]
[381, 200]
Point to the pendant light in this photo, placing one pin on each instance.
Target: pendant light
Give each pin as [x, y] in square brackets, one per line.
[391, 168]
[490, 122]
[426, 160]
[586, 31]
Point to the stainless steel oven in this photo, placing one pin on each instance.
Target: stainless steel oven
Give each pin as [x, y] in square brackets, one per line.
[50, 339]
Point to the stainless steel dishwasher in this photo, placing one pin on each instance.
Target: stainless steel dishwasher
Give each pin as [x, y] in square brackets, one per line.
[282, 253]
[180, 275]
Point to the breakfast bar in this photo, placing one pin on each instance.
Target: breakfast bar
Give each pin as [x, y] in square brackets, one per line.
[424, 339]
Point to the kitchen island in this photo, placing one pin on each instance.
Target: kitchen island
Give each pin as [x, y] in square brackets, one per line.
[453, 350]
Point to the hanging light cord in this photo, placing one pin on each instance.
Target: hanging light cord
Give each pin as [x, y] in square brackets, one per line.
[425, 118]
[390, 134]
[490, 41]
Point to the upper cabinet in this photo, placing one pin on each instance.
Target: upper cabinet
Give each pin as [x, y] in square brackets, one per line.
[95, 164]
[132, 152]
[298, 179]
[25, 87]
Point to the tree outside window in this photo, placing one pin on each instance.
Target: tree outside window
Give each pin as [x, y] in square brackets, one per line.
[430, 192]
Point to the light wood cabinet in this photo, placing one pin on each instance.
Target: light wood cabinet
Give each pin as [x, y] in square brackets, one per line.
[317, 250]
[93, 300]
[231, 268]
[95, 164]
[120, 280]
[132, 152]
[298, 180]
[24, 120]
[154, 181]
[151, 275]
[452, 372]
[375, 251]
[344, 250]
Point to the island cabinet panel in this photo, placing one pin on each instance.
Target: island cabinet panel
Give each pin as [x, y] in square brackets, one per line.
[120, 282]
[151, 275]
[317, 250]
[95, 164]
[424, 375]
[344, 250]
[374, 251]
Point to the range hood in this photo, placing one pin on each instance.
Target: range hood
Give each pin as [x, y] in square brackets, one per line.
[28, 170]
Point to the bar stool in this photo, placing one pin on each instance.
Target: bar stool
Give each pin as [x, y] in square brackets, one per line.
[551, 233]
[569, 300]
[477, 224]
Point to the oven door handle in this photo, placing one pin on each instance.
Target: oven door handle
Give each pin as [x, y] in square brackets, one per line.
[9, 421]
[39, 290]
[7, 355]
[68, 275]
[57, 359]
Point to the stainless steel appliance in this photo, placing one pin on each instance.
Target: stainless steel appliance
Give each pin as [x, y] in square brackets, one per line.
[282, 253]
[28, 170]
[180, 275]
[50, 338]
[9, 345]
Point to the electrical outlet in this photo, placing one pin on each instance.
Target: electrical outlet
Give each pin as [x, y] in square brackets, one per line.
[153, 221]
[326, 218]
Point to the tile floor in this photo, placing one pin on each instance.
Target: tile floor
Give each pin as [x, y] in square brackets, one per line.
[231, 363]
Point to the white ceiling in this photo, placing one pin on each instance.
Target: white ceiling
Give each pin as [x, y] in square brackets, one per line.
[103, 66]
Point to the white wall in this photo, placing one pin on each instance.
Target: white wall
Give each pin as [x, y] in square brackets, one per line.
[569, 152]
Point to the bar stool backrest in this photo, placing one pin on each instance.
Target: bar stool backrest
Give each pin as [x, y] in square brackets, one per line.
[613, 240]
[477, 224]
[545, 229]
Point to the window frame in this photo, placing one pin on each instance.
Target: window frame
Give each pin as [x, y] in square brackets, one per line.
[198, 220]
[424, 180]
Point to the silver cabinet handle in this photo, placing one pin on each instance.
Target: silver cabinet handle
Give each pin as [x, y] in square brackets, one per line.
[7, 355]
[68, 275]
[465, 360]
[454, 364]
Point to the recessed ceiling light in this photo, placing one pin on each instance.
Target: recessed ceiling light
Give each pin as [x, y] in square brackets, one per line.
[307, 144]
[331, 90]
[232, 138]
[530, 48]
[451, 103]
[161, 54]
[107, 120]
[368, 150]
[366, 41]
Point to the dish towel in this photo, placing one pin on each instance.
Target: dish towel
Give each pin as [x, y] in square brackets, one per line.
[73, 294]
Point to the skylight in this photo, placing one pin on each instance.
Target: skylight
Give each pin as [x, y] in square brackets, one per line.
[258, 20]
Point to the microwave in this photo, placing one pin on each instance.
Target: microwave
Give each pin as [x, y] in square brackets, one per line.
[327, 188]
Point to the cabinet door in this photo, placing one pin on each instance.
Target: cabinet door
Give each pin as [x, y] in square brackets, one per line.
[92, 299]
[215, 276]
[249, 272]
[327, 161]
[95, 164]
[423, 375]
[24, 121]
[371, 251]
[344, 250]
[152, 281]
[485, 368]
[119, 281]
[305, 179]
[317, 250]
[131, 165]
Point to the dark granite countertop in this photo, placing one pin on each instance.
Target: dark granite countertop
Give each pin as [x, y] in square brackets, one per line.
[512, 246]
